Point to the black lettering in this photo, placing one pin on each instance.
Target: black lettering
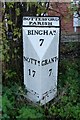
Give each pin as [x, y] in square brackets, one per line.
[50, 72]
[40, 32]
[29, 32]
[25, 58]
[32, 72]
[36, 32]
[45, 23]
[43, 63]
[49, 61]
[50, 19]
[50, 33]
[46, 62]
[28, 60]
[52, 59]
[26, 19]
[30, 23]
[56, 58]
[29, 72]
[46, 32]
[34, 23]
[49, 23]
[39, 23]
[32, 19]
[39, 19]
[41, 40]
[38, 63]
[54, 32]
[33, 61]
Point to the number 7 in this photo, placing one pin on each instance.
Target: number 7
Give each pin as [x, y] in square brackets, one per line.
[50, 72]
[41, 40]
[33, 73]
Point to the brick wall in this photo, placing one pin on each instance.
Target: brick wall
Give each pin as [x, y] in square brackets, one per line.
[62, 10]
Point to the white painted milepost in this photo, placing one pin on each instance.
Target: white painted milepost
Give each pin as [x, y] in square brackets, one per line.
[40, 57]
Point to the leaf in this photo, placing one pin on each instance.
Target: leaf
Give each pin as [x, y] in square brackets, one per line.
[10, 22]
[17, 11]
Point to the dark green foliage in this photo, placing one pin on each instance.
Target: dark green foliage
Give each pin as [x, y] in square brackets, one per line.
[30, 112]
[16, 106]
[70, 50]
[65, 106]
[12, 35]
